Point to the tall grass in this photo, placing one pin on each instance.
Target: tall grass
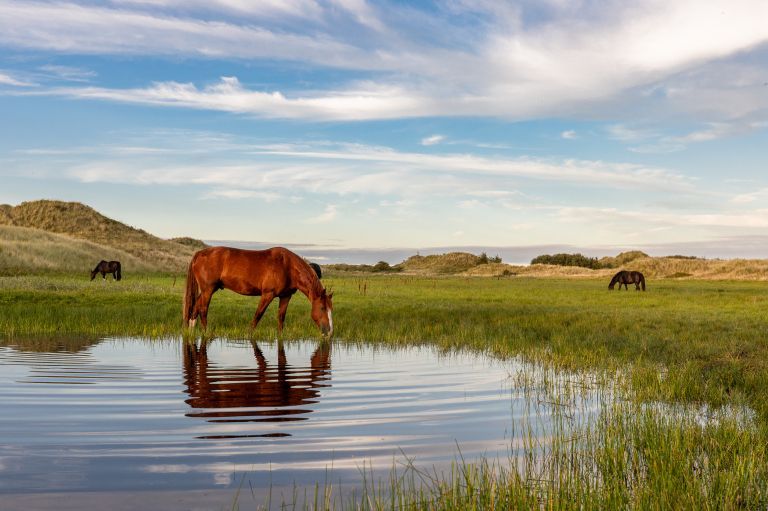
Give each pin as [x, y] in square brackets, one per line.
[626, 455]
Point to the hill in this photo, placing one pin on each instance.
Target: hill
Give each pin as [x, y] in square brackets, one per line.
[24, 250]
[670, 267]
[452, 262]
[108, 237]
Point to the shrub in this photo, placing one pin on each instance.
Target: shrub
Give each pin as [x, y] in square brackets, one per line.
[382, 266]
[568, 260]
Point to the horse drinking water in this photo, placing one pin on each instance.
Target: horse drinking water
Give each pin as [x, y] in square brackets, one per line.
[273, 273]
[628, 277]
[105, 267]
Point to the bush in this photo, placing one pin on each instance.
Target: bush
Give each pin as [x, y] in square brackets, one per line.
[568, 260]
[382, 266]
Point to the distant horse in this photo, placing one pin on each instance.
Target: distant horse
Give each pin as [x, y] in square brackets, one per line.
[628, 277]
[273, 273]
[105, 267]
[317, 269]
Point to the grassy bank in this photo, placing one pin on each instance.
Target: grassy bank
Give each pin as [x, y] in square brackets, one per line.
[683, 340]
[688, 342]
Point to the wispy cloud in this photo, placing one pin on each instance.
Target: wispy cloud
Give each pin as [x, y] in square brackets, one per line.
[261, 170]
[328, 215]
[626, 133]
[754, 219]
[228, 94]
[673, 143]
[574, 61]
[229, 193]
[432, 140]
[7, 79]
[68, 73]
[569, 135]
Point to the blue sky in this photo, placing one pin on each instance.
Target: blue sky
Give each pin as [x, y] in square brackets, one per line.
[349, 123]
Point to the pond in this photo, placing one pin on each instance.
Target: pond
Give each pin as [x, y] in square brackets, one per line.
[139, 424]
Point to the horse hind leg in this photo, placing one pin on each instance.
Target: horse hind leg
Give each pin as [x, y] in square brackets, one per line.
[266, 299]
[201, 308]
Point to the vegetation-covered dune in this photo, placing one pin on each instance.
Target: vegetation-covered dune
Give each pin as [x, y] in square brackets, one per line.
[25, 250]
[670, 267]
[68, 236]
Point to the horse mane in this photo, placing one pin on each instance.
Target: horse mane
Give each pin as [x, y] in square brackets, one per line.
[308, 280]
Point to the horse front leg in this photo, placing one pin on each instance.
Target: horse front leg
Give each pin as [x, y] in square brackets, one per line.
[284, 300]
[266, 299]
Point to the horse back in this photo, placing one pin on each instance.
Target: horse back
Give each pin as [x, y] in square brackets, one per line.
[247, 272]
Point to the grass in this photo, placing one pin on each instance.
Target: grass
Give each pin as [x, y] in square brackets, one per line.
[687, 342]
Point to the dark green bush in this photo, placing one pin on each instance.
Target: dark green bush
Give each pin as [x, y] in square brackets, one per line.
[568, 260]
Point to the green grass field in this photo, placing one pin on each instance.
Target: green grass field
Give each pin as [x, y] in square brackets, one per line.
[681, 342]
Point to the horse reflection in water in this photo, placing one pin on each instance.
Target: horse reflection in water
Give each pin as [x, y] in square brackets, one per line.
[267, 393]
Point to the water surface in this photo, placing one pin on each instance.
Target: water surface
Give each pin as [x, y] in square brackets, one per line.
[167, 418]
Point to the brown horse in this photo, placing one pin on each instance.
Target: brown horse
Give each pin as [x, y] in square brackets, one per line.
[628, 277]
[273, 273]
[105, 267]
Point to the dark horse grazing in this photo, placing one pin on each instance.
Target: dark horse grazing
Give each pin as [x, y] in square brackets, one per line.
[105, 267]
[628, 277]
[317, 269]
[273, 273]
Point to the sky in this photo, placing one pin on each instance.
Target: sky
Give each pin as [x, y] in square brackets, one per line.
[349, 124]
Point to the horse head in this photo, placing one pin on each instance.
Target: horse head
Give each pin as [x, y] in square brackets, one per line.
[322, 312]
[93, 274]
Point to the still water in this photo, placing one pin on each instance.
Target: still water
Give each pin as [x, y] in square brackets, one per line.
[166, 422]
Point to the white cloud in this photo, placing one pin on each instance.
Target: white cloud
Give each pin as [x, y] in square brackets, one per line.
[229, 95]
[713, 131]
[251, 8]
[569, 135]
[243, 194]
[754, 219]
[68, 73]
[328, 215]
[575, 61]
[625, 133]
[432, 140]
[353, 169]
[6, 79]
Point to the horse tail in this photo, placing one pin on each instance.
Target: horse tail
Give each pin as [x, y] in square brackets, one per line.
[118, 274]
[317, 269]
[190, 294]
[642, 281]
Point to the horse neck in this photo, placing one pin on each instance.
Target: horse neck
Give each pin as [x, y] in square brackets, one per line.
[309, 284]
